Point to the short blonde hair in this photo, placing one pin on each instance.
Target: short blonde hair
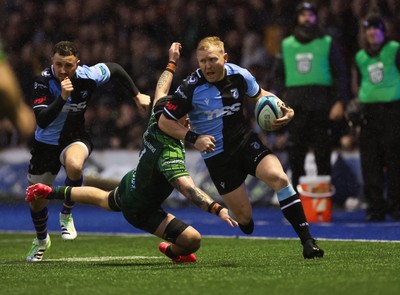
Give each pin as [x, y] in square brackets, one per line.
[212, 41]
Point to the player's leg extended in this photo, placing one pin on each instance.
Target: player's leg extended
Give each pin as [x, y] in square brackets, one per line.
[184, 239]
[239, 205]
[83, 194]
[271, 172]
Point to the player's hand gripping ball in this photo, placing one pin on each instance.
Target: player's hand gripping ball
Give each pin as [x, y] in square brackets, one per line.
[267, 110]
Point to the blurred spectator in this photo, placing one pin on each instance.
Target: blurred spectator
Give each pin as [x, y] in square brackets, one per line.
[312, 78]
[378, 68]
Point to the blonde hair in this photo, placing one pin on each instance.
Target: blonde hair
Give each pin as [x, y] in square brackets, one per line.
[212, 41]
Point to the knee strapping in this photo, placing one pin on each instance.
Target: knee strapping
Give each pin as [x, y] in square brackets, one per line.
[174, 229]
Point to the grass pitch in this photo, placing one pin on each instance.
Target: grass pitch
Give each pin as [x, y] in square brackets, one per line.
[108, 264]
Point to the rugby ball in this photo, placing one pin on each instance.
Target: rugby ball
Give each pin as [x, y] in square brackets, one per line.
[267, 110]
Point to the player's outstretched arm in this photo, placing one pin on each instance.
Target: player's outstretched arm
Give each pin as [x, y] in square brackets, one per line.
[186, 187]
[165, 80]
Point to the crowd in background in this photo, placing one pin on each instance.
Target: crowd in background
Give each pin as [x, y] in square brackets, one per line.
[137, 34]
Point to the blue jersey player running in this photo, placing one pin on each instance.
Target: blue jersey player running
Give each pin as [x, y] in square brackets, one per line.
[60, 97]
[213, 96]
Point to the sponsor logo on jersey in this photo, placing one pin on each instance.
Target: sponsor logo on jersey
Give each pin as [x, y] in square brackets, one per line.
[193, 80]
[224, 111]
[149, 145]
[37, 85]
[46, 73]
[207, 101]
[171, 107]
[101, 70]
[180, 93]
[235, 93]
[255, 145]
[173, 162]
[75, 107]
[40, 100]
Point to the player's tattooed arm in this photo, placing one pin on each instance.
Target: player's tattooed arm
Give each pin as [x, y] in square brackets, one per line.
[187, 188]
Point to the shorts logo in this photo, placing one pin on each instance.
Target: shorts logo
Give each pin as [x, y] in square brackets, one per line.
[222, 184]
[304, 62]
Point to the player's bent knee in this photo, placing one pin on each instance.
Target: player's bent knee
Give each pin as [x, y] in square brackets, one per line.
[193, 240]
[174, 229]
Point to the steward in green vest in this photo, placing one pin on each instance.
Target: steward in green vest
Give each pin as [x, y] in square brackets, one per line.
[311, 76]
[378, 69]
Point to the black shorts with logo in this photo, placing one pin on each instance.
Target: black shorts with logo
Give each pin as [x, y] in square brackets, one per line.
[228, 171]
[46, 157]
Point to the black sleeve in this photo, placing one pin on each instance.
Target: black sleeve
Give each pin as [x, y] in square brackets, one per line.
[180, 102]
[44, 116]
[123, 78]
[340, 74]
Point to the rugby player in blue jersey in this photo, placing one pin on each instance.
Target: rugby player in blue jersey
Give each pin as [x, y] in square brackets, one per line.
[214, 96]
[60, 97]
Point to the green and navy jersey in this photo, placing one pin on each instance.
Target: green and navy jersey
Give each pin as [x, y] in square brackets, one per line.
[215, 108]
[161, 160]
[70, 120]
[380, 77]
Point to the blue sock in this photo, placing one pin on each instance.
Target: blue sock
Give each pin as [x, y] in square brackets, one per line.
[39, 220]
[68, 205]
[293, 211]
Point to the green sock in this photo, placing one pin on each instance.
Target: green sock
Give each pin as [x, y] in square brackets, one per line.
[61, 193]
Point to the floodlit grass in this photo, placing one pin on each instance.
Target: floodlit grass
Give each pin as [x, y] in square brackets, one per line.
[106, 264]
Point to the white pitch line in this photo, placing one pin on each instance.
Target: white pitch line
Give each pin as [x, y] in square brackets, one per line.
[103, 258]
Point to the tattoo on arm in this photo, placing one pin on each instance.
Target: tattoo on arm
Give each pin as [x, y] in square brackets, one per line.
[163, 79]
[193, 193]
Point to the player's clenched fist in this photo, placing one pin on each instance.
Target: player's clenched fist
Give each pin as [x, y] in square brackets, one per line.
[66, 88]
